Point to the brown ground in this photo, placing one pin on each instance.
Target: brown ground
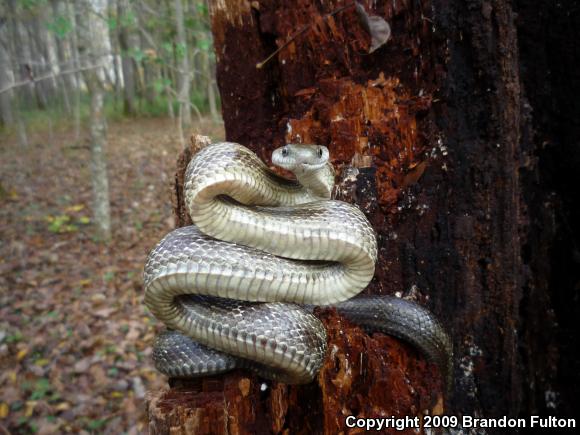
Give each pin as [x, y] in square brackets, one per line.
[75, 338]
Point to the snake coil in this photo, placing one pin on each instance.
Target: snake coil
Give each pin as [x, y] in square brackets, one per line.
[232, 287]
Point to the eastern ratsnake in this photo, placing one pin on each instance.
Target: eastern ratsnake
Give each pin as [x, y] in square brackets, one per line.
[229, 286]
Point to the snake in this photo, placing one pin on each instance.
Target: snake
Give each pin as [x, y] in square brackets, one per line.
[237, 288]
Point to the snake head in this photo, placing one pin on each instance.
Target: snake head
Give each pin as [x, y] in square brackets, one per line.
[301, 158]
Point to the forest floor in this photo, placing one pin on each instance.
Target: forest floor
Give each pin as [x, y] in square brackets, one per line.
[75, 337]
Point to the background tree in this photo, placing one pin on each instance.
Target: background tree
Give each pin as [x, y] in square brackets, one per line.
[126, 18]
[149, 53]
[184, 74]
[92, 34]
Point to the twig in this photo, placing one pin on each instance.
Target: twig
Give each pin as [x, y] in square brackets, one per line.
[193, 106]
[49, 76]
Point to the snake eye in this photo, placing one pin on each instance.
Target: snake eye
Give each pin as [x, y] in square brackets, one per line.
[284, 152]
[319, 152]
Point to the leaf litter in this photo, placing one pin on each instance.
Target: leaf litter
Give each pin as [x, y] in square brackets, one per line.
[75, 337]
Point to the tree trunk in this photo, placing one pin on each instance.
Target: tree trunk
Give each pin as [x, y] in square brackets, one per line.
[74, 19]
[209, 85]
[93, 37]
[63, 64]
[10, 100]
[19, 55]
[127, 63]
[434, 137]
[184, 75]
[6, 99]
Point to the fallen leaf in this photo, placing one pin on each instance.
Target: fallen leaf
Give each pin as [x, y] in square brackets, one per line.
[82, 365]
[62, 406]
[75, 208]
[105, 312]
[30, 405]
[21, 354]
[4, 410]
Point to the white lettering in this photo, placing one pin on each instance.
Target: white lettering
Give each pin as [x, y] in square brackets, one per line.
[552, 422]
[378, 424]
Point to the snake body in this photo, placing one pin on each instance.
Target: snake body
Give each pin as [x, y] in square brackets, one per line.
[230, 287]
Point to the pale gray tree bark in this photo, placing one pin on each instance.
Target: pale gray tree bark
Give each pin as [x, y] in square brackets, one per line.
[19, 54]
[6, 116]
[74, 45]
[10, 42]
[92, 36]
[43, 55]
[184, 75]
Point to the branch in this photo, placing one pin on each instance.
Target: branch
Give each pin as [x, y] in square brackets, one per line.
[49, 76]
[193, 106]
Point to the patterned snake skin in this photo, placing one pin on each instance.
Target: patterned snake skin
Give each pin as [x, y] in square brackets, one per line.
[229, 286]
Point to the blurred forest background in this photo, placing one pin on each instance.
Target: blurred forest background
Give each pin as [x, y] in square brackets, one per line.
[97, 98]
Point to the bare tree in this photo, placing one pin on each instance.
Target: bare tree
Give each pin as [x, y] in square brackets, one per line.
[66, 83]
[184, 75]
[74, 44]
[127, 63]
[92, 37]
[6, 116]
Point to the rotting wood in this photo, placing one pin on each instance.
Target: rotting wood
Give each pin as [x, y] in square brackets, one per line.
[433, 138]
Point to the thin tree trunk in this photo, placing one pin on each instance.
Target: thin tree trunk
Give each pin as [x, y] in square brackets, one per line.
[22, 134]
[209, 85]
[6, 98]
[13, 98]
[168, 95]
[45, 59]
[100, 181]
[34, 65]
[74, 45]
[65, 80]
[93, 37]
[127, 63]
[19, 50]
[115, 48]
[184, 75]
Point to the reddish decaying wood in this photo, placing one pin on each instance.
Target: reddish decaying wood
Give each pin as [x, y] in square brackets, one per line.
[364, 376]
[425, 134]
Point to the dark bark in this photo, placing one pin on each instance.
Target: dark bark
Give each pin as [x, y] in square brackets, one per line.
[548, 34]
[459, 140]
[127, 62]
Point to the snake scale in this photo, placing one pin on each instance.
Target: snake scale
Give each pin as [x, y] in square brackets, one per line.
[236, 289]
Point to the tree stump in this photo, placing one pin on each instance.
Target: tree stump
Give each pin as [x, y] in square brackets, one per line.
[358, 368]
[434, 138]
